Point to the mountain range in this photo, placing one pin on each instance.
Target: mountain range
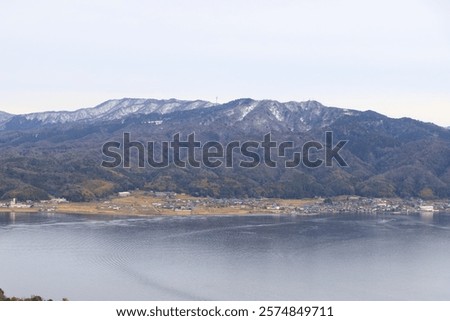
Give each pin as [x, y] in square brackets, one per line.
[59, 154]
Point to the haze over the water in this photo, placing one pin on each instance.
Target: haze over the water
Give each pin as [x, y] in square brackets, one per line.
[389, 56]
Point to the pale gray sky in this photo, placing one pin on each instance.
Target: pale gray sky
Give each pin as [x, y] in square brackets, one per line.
[390, 56]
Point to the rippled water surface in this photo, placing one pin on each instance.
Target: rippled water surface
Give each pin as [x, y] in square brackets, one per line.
[345, 257]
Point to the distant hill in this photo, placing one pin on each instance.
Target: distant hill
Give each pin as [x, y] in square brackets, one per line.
[59, 153]
[4, 116]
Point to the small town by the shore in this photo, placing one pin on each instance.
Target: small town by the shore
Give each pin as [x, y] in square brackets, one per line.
[170, 203]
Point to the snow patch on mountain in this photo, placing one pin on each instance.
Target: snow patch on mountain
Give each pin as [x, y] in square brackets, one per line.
[245, 110]
[275, 110]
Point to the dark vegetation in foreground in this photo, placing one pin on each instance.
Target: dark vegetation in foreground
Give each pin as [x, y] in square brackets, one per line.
[3, 297]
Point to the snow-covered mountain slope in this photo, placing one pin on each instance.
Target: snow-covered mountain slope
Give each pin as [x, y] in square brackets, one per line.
[297, 116]
[271, 114]
[117, 109]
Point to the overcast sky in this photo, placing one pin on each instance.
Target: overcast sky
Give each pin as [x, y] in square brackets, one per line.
[389, 56]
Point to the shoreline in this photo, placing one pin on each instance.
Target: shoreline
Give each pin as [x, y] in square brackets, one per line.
[122, 214]
[139, 203]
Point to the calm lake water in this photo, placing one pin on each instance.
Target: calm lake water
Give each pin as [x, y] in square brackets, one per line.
[257, 257]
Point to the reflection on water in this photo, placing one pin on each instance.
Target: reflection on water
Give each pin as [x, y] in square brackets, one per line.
[427, 217]
[280, 257]
[12, 217]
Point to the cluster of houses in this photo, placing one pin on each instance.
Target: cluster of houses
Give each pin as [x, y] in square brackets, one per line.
[15, 204]
[29, 204]
[347, 204]
[357, 204]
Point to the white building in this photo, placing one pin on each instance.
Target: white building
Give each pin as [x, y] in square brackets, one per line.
[427, 208]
